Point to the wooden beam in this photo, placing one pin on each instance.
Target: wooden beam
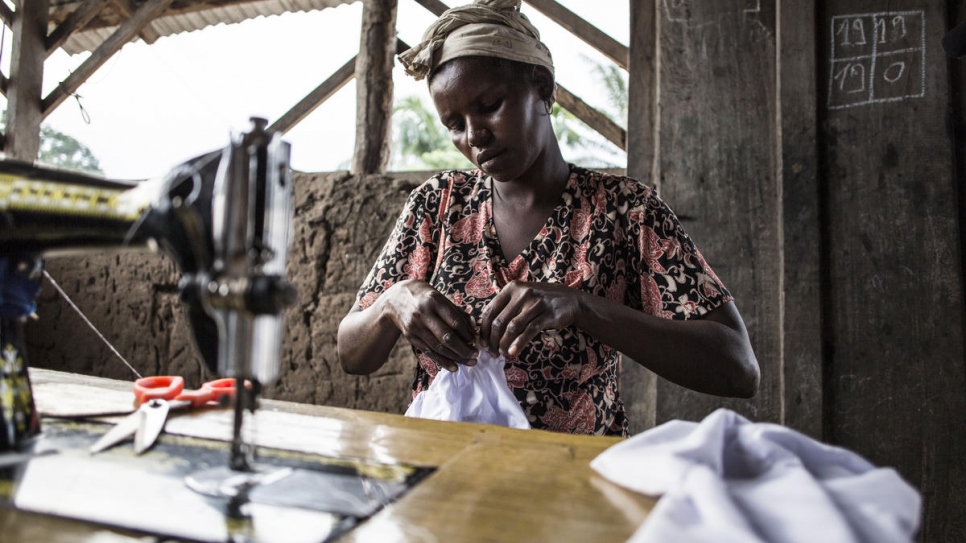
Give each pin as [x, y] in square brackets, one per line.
[638, 384]
[314, 99]
[374, 87]
[74, 22]
[27, 79]
[587, 32]
[643, 89]
[6, 14]
[434, 6]
[124, 33]
[127, 9]
[592, 118]
[322, 93]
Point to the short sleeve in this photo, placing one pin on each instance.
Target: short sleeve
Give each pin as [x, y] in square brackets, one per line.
[411, 248]
[670, 278]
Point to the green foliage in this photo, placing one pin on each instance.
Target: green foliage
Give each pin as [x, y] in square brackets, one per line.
[420, 142]
[61, 151]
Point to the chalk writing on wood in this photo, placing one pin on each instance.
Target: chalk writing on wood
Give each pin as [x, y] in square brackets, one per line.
[684, 11]
[877, 57]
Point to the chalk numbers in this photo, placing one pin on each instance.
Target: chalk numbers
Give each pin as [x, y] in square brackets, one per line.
[877, 57]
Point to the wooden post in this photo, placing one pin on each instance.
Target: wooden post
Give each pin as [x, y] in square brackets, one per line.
[801, 400]
[638, 385]
[374, 87]
[26, 80]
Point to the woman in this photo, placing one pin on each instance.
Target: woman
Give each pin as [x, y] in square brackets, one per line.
[555, 267]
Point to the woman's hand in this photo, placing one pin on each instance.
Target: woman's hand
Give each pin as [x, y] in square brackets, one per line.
[432, 324]
[522, 310]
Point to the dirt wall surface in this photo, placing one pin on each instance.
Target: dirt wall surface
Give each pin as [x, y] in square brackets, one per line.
[341, 223]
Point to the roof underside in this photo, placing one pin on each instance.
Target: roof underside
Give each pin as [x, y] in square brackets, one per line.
[181, 16]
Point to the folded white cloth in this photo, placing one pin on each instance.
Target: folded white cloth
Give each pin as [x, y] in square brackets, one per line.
[730, 480]
[471, 394]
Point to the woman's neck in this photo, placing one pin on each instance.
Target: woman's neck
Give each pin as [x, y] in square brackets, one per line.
[539, 187]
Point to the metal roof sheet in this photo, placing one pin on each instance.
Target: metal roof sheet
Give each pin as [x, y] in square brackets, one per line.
[176, 23]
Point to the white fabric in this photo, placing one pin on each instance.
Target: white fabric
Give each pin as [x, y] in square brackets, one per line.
[471, 394]
[728, 480]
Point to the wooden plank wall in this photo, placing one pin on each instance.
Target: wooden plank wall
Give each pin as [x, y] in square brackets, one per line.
[815, 150]
[718, 172]
[895, 387]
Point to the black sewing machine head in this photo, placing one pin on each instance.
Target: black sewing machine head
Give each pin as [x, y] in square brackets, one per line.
[224, 217]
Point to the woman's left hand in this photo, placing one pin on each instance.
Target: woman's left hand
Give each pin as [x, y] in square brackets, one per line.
[522, 310]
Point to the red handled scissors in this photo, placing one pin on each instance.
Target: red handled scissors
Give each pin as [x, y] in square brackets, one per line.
[154, 398]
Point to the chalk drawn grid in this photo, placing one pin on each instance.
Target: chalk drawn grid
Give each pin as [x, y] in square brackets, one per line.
[889, 67]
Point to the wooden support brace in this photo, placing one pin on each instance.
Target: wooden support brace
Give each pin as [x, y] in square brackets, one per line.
[6, 14]
[314, 99]
[74, 22]
[589, 33]
[124, 33]
[127, 8]
[434, 6]
[323, 92]
[592, 118]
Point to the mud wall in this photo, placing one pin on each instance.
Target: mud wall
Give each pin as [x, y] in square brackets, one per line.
[341, 222]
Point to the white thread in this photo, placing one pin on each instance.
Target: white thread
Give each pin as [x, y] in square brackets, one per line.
[89, 323]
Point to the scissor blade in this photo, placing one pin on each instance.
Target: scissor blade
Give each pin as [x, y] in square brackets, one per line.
[123, 430]
[155, 413]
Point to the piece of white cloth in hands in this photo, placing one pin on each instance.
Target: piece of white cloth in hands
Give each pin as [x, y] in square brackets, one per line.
[471, 394]
[728, 480]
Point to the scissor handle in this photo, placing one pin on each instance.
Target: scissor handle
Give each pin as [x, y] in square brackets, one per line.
[161, 387]
[212, 391]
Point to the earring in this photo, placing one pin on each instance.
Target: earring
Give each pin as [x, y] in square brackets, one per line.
[549, 105]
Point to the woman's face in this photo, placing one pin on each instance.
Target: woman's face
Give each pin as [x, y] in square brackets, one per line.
[495, 115]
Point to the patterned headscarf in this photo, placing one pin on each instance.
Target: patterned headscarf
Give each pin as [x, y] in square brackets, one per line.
[488, 28]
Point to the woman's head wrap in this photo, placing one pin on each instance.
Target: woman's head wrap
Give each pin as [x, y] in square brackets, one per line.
[487, 28]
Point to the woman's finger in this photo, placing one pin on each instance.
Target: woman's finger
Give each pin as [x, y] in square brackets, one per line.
[514, 304]
[524, 326]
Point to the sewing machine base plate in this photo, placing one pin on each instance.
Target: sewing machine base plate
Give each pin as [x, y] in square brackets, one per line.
[316, 500]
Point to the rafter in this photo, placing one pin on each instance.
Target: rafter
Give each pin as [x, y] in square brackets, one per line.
[323, 92]
[314, 99]
[6, 14]
[587, 32]
[124, 33]
[591, 117]
[127, 9]
[74, 22]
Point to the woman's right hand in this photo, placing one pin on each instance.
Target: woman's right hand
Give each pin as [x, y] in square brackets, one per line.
[432, 323]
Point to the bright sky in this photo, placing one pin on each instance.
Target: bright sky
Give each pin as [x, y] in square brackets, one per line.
[151, 107]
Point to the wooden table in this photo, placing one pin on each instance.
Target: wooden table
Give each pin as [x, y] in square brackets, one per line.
[491, 484]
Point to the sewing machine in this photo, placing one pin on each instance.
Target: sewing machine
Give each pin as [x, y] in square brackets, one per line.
[224, 217]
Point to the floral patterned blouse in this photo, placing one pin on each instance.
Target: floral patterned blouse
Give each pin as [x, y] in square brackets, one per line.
[609, 235]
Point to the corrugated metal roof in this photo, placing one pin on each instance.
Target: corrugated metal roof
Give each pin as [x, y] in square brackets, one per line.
[176, 23]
